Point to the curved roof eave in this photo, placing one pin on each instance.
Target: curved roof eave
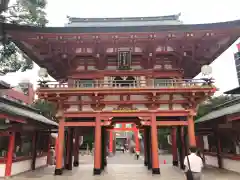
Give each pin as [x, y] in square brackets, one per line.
[120, 19]
[182, 27]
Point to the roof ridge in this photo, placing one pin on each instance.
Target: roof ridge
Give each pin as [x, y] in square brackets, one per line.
[107, 19]
[19, 105]
[228, 103]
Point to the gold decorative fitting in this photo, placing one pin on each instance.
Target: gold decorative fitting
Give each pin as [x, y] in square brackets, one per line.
[190, 34]
[210, 34]
[125, 109]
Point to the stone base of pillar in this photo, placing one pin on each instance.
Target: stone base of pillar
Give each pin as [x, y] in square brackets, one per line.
[145, 163]
[175, 163]
[58, 172]
[97, 171]
[155, 171]
[75, 163]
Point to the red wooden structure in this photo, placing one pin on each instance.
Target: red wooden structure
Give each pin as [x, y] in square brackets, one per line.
[24, 136]
[133, 74]
[219, 137]
[124, 127]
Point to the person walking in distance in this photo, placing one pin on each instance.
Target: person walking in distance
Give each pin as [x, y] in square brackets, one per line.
[193, 165]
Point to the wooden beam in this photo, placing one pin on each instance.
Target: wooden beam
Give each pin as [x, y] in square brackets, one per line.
[85, 124]
[172, 123]
[105, 114]
[79, 124]
[168, 123]
[13, 118]
[4, 133]
[99, 74]
[233, 117]
[127, 102]
[115, 91]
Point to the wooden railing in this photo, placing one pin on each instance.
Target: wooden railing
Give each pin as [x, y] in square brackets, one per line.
[163, 83]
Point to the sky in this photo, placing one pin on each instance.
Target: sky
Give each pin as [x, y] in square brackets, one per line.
[192, 12]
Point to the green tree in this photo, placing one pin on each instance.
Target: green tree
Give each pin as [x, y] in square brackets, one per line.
[47, 108]
[208, 105]
[162, 137]
[23, 12]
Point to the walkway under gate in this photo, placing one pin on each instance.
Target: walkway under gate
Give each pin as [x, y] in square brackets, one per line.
[123, 167]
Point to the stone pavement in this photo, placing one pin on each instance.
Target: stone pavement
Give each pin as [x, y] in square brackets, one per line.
[123, 167]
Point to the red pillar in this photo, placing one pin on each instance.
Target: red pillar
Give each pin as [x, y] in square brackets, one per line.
[174, 146]
[154, 143]
[191, 131]
[76, 149]
[59, 147]
[97, 147]
[11, 144]
[137, 147]
[110, 148]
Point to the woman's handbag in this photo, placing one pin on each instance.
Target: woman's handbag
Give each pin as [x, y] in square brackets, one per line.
[189, 173]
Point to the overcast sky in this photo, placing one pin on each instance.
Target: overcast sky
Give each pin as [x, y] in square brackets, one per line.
[192, 12]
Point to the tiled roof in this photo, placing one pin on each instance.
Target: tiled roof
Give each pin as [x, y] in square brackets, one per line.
[121, 19]
[18, 109]
[219, 113]
[4, 85]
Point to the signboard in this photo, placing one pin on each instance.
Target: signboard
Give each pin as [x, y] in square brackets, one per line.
[125, 109]
[124, 59]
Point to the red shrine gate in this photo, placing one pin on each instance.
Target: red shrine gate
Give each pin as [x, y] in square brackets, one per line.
[136, 73]
[126, 127]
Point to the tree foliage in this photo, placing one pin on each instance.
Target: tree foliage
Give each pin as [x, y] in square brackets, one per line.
[210, 104]
[162, 138]
[23, 12]
[47, 108]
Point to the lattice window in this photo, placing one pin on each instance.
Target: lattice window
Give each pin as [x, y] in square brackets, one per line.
[128, 125]
[118, 125]
[162, 82]
[84, 83]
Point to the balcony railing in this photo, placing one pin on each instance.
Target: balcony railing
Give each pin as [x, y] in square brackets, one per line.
[125, 84]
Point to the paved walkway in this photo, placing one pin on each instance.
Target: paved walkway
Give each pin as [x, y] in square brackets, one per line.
[123, 167]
